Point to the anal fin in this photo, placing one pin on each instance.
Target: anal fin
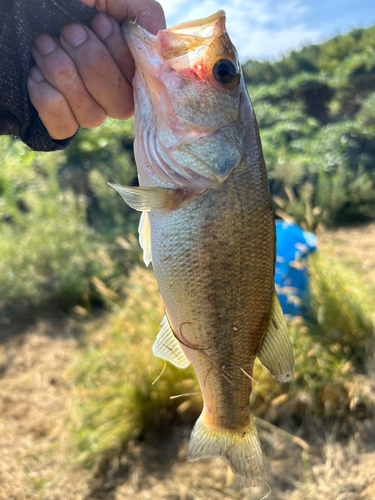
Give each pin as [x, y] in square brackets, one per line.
[167, 347]
[276, 352]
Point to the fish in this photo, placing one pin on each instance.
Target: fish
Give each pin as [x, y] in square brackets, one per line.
[208, 227]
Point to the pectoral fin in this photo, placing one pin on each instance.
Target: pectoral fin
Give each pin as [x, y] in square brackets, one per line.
[147, 199]
[167, 347]
[145, 237]
[276, 352]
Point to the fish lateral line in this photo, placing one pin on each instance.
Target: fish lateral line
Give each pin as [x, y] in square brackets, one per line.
[218, 315]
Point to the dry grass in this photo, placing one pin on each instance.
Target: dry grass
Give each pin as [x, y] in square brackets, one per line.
[38, 460]
[354, 247]
[345, 475]
[34, 455]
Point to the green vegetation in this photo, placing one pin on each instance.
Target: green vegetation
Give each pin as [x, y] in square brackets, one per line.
[62, 228]
[316, 114]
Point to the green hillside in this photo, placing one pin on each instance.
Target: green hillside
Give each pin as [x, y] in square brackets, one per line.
[316, 114]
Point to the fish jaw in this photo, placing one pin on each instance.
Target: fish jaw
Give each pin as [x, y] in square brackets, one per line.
[183, 116]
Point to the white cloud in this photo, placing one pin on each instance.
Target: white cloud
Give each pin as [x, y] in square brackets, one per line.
[260, 43]
[258, 28]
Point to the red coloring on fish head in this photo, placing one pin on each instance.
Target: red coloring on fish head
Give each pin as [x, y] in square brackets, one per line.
[200, 69]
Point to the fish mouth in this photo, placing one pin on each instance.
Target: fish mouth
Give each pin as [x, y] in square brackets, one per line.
[181, 45]
[178, 40]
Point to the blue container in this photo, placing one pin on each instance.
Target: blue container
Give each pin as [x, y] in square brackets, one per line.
[291, 277]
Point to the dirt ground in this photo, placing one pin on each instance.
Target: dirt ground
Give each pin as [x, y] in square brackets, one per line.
[37, 460]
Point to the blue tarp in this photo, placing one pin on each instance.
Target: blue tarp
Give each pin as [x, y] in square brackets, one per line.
[291, 278]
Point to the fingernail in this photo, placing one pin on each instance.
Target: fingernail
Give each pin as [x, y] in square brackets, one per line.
[44, 44]
[102, 26]
[36, 75]
[74, 34]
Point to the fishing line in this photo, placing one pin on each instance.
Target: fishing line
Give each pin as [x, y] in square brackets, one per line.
[134, 21]
[269, 488]
[160, 374]
[194, 393]
[195, 347]
[247, 375]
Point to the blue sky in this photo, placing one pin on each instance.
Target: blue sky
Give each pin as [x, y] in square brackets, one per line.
[270, 28]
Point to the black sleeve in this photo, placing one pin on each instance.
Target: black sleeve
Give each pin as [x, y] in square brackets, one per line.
[20, 22]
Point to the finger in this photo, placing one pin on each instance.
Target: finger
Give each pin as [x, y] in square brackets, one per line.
[109, 32]
[61, 72]
[52, 107]
[99, 72]
[147, 13]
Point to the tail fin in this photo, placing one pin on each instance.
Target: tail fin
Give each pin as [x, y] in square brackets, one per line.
[240, 448]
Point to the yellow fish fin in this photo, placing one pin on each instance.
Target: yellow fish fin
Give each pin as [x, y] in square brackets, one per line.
[145, 237]
[147, 199]
[167, 347]
[276, 351]
[240, 447]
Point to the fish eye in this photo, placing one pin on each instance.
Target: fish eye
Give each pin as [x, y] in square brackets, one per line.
[224, 71]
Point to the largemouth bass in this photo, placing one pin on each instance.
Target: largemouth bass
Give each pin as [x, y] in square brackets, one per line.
[207, 225]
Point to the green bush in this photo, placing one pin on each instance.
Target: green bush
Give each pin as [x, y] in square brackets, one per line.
[49, 250]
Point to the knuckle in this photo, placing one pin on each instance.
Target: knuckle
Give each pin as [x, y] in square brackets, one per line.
[97, 64]
[52, 102]
[45, 98]
[94, 119]
[63, 71]
[65, 131]
[123, 113]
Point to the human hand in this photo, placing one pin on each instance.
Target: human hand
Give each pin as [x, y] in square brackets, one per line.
[86, 74]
